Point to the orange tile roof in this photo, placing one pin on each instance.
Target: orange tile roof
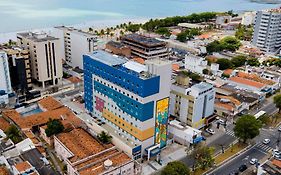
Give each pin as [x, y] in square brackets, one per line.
[176, 67]
[255, 77]
[228, 71]
[81, 144]
[23, 166]
[4, 124]
[117, 160]
[224, 105]
[276, 163]
[232, 99]
[139, 60]
[204, 36]
[247, 82]
[49, 103]
[42, 118]
[74, 79]
[3, 171]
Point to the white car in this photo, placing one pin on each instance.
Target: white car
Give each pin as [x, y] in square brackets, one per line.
[253, 161]
[279, 129]
[221, 121]
[210, 131]
[266, 141]
[276, 153]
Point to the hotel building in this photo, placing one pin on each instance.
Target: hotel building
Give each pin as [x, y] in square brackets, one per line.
[5, 82]
[20, 69]
[191, 103]
[75, 43]
[46, 57]
[145, 47]
[267, 30]
[129, 97]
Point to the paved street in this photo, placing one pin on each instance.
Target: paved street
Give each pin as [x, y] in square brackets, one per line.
[258, 151]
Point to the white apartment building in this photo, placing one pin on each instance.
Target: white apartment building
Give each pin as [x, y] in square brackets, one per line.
[197, 64]
[267, 30]
[46, 57]
[248, 18]
[5, 81]
[191, 104]
[76, 43]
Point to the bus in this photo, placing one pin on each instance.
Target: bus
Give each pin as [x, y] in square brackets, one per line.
[259, 114]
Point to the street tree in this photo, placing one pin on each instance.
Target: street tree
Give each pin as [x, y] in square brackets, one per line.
[277, 101]
[175, 168]
[224, 63]
[54, 126]
[247, 127]
[203, 157]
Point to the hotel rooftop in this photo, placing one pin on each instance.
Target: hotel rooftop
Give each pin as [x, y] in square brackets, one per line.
[88, 155]
[143, 40]
[131, 67]
[37, 36]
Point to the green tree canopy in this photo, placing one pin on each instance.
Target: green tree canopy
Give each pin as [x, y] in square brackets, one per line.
[188, 34]
[54, 126]
[244, 32]
[224, 63]
[239, 60]
[175, 168]
[203, 157]
[277, 101]
[247, 127]
[14, 134]
[230, 43]
[163, 31]
[104, 137]
[253, 62]
[133, 27]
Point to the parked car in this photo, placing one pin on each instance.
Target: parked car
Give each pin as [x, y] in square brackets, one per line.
[210, 131]
[243, 168]
[266, 141]
[221, 121]
[276, 154]
[253, 161]
[279, 129]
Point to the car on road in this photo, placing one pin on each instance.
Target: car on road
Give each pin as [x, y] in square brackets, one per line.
[243, 168]
[221, 121]
[266, 141]
[210, 131]
[279, 129]
[253, 161]
[276, 154]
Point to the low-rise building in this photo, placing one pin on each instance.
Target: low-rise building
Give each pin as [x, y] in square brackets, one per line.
[270, 167]
[118, 48]
[184, 134]
[197, 64]
[24, 168]
[84, 155]
[191, 103]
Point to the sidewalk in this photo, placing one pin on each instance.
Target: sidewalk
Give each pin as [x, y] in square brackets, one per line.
[171, 153]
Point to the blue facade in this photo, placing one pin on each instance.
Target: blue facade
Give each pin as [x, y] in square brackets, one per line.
[120, 76]
[136, 109]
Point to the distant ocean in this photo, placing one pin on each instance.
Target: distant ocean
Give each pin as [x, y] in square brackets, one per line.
[19, 15]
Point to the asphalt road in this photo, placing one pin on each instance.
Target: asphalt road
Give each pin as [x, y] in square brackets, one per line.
[258, 151]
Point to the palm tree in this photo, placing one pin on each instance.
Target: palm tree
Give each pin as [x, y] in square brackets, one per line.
[111, 34]
[90, 29]
[104, 137]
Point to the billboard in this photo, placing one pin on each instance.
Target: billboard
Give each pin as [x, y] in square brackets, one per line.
[161, 122]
